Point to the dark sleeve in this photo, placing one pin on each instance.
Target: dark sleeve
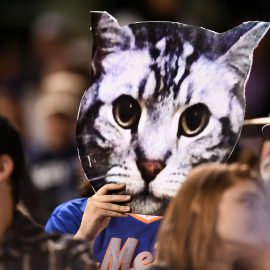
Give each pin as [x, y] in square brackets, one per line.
[79, 256]
[73, 254]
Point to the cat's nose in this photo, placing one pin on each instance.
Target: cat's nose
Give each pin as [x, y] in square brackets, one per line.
[150, 169]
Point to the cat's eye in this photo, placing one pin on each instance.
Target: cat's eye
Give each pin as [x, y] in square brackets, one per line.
[193, 120]
[126, 112]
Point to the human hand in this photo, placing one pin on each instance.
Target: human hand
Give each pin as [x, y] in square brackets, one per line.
[100, 208]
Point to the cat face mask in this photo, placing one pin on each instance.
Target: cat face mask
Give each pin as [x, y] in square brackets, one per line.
[164, 97]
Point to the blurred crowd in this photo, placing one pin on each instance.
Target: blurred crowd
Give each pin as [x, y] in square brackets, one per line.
[44, 71]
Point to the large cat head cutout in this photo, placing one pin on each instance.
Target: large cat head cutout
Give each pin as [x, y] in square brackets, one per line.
[164, 98]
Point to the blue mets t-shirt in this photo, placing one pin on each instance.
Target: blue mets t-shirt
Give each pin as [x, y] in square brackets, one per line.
[126, 243]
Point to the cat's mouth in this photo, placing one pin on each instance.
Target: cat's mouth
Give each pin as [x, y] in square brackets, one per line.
[147, 195]
[146, 203]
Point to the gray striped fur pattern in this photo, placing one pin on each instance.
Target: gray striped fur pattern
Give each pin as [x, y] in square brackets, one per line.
[164, 92]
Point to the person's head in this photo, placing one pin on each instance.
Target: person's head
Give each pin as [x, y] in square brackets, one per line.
[217, 204]
[11, 158]
[258, 129]
[264, 159]
[58, 104]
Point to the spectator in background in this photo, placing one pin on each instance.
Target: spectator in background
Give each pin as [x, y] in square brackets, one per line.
[50, 35]
[218, 216]
[55, 168]
[23, 245]
[265, 155]
[259, 128]
[56, 46]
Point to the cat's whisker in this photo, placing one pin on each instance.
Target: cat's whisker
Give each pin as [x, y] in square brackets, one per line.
[99, 177]
[119, 174]
[108, 175]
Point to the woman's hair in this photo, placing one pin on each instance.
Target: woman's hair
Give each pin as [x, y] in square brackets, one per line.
[187, 237]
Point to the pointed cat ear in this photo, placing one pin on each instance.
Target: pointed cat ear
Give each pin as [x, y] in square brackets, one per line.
[108, 35]
[244, 39]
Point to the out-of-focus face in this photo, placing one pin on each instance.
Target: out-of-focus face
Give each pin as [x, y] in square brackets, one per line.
[265, 162]
[242, 216]
[61, 130]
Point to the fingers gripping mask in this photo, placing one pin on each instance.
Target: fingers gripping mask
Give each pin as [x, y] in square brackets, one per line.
[164, 98]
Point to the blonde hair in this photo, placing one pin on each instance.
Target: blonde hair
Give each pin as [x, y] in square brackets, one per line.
[187, 236]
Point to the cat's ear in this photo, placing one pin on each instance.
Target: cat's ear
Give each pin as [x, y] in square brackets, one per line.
[243, 39]
[108, 35]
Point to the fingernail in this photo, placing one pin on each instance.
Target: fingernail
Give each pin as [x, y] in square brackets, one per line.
[127, 208]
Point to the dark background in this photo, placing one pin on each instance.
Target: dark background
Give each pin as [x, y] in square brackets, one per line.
[17, 19]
